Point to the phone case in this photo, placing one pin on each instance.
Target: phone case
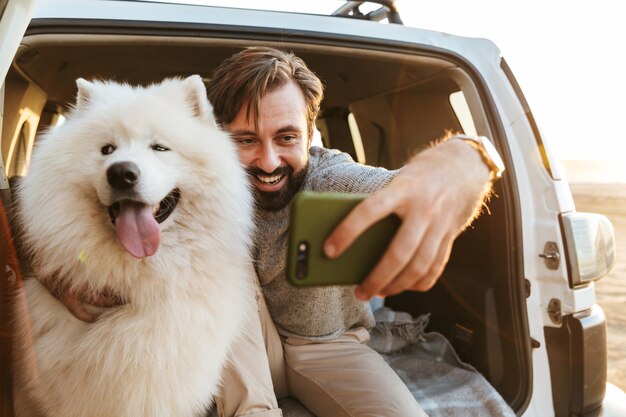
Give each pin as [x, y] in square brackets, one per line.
[313, 217]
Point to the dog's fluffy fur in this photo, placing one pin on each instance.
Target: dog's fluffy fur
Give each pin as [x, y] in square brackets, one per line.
[161, 352]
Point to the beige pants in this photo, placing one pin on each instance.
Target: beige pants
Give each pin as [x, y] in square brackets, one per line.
[342, 377]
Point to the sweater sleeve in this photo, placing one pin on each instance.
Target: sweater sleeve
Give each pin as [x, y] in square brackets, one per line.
[335, 171]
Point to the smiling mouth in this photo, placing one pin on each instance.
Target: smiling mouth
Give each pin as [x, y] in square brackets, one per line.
[269, 180]
[160, 211]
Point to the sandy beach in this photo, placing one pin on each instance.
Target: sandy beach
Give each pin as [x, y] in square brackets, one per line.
[610, 200]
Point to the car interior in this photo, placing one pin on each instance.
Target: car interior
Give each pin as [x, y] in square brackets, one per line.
[382, 105]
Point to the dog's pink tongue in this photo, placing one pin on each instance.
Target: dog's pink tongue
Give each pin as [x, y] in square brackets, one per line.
[137, 229]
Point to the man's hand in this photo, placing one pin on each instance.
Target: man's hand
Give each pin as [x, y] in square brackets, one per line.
[436, 195]
[75, 301]
[76, 307]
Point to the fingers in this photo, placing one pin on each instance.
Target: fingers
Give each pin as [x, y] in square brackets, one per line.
[402, 249]
[76, 308]
[418, 270]
[365, 214]
[422, 276]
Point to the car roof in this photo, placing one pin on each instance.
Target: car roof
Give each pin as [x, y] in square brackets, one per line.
[327, 26]
[319, 7]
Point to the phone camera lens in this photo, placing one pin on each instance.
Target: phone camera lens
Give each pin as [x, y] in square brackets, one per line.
[302, 260]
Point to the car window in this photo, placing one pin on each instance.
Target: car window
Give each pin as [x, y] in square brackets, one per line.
[463, 114]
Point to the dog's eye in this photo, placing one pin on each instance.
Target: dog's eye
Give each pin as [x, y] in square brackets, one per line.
[160, 148]
[107, 149]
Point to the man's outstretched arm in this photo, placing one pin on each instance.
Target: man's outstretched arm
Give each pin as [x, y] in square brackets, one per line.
[436, 195]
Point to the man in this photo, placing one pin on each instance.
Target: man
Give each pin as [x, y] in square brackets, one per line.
[268, 100]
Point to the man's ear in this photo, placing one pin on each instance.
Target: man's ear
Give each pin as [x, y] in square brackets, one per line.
[196, 96]
[85, 91]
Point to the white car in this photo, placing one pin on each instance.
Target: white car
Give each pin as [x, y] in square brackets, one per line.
[517, 300]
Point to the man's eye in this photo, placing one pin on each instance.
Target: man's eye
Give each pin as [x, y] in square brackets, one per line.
[107, 149]
[245, 141]
[159, 148]
[288, 138]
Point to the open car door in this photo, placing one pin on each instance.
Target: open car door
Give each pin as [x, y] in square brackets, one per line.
[14, 18]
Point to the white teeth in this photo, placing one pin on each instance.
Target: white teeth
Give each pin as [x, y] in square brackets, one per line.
[270, 180]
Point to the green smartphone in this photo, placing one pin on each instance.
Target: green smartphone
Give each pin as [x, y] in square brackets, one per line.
[313, 217]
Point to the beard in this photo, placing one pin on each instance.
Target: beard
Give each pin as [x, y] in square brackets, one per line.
[277, 200]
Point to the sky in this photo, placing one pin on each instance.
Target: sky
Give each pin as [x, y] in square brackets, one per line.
[568, 56]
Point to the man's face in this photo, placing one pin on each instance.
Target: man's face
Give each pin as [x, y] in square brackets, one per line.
[276, 152]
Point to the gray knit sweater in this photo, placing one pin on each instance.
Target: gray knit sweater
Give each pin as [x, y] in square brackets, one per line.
[313, 313]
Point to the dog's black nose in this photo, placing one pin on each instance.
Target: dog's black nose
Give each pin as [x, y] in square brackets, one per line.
[122, 175]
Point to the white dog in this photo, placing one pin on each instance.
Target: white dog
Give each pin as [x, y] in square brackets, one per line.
[140, 197]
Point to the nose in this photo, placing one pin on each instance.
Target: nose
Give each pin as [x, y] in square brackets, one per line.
[123, 175]
[269, 159]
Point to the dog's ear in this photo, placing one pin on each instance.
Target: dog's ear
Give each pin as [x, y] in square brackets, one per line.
[85, 89]
[197, 98]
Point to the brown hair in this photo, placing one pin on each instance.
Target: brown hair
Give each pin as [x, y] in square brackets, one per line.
[254, 72]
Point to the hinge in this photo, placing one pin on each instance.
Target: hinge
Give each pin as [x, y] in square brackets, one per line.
[550, 255]
[554, 311]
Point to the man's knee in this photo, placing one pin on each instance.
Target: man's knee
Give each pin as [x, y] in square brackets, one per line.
[344, 377]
